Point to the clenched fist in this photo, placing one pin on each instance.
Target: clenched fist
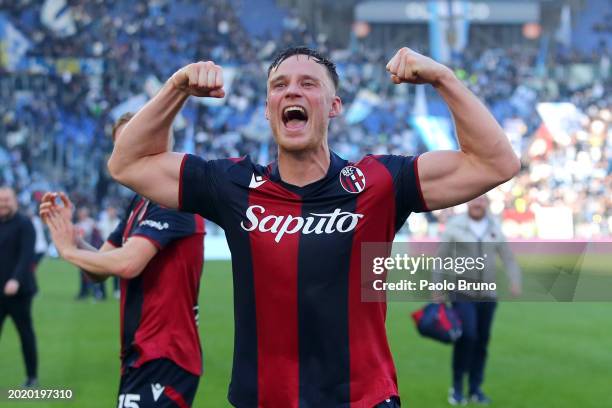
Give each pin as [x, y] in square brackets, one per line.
[414, 68]
[200, 79]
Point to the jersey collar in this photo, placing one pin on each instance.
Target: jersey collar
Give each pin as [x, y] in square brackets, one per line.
[336, 163]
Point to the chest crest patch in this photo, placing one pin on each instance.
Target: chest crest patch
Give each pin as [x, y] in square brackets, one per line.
[352, 179]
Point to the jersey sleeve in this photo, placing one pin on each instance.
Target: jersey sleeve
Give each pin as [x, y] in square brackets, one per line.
[116, 237]
[199, 187]
[161, 226]
[408, 195]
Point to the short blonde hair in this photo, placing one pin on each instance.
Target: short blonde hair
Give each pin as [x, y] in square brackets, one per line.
[123, 119]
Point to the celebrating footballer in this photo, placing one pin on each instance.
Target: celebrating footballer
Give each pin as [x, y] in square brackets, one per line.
[303, 337]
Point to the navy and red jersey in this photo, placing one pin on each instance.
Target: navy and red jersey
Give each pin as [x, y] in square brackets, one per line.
[303, 337]
[159, 307]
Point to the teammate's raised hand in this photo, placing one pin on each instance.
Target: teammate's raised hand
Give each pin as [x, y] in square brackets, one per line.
[48, 204]
[411, 67]
[200, 79]
[62, 231]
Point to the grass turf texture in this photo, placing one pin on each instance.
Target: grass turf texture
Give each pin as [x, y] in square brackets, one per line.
[542, 354]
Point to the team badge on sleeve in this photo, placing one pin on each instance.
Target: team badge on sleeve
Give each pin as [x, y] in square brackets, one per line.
[352, 179]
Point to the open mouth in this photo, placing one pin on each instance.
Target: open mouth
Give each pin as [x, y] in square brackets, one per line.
[295, 117]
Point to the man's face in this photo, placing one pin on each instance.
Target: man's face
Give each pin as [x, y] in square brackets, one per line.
[8, 202]
[477, 208]
[83, 213]
[301, 100]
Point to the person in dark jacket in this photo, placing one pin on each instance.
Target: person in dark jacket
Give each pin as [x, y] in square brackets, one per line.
[17, 283]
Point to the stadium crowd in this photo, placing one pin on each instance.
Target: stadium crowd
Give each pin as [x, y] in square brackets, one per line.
[56, 117]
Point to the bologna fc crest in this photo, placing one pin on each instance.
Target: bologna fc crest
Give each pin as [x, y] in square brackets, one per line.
[352, 179]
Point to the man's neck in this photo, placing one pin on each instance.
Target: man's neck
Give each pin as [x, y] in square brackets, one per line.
[8, 217]
[303, 168]
[481, 219]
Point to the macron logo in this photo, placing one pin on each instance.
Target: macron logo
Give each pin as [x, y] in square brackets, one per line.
[155, 224]
[256, 181]
[157, 390]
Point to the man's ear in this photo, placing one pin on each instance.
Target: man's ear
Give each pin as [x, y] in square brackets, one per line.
[267, 110]
[336, 108]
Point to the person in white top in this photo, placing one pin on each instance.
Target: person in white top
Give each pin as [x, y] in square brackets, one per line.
[106, 225]
[86, 228]
[41, 245]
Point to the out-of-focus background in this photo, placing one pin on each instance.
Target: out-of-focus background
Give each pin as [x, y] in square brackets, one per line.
[69, 68]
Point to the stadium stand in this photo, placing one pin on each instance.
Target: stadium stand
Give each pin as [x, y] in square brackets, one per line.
[68, 80]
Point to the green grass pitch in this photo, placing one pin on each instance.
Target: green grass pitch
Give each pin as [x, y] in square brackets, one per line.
[542, 354]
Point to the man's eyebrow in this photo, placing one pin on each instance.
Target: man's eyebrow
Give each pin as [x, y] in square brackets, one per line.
[278, 78]
[306, 76]
[301, 76]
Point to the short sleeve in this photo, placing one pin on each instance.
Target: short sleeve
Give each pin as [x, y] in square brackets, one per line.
[199, 187]
[408, 195]
[161, 226]
[116, 237]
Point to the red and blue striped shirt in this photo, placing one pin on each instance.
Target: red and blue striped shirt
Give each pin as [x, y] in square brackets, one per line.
[303, 336]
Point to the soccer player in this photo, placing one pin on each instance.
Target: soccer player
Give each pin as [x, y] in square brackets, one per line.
[17, 282]
[158, 254]
[303, 337]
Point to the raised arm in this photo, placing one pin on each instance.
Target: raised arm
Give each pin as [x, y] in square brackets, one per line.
[485, 158]
[107, 246]
[125, 262]
[141, 158]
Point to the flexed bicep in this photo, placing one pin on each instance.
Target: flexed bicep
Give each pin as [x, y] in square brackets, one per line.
[155, 177]
[449, 178]
[141, 158]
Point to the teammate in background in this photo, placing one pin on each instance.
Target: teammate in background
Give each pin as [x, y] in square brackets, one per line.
[157, 253]
[17, 283]
[482, 237]
[303, 337]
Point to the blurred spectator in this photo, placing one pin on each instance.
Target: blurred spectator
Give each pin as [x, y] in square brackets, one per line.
[87, 230]
[41, 245]
[17, 281]
[107, 223]
[473, 235]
